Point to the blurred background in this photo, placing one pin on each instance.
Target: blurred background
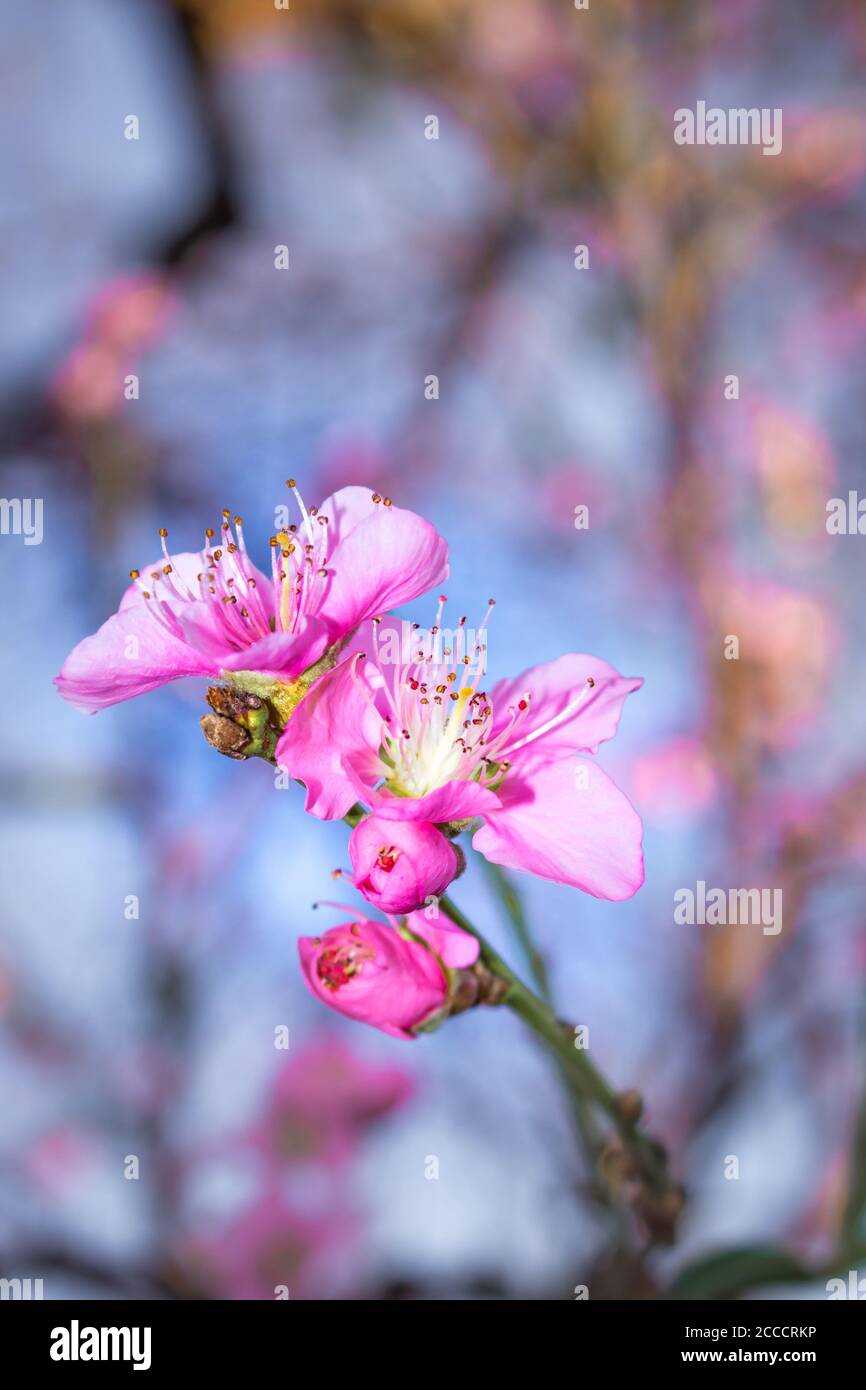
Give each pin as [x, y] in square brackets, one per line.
[157, 1137]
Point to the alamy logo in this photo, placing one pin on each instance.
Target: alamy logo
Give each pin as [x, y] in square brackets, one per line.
[412, 645]
[75, 1343]
[22, 516]
[846, 517]
[738, 906]
[739, 125]
[21, 1289]
[854, 1289]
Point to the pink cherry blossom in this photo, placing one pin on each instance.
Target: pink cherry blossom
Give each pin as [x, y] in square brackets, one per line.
[419, 740]
[123, 319]
[327, 1076]
[61, 1158]
[210, 612]
[676, 780]
[398, 865]
[321, 1101]
[370, 972]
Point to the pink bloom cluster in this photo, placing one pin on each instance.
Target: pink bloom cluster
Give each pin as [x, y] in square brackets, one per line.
[322, 1101]
[423, 745]
[414, 737]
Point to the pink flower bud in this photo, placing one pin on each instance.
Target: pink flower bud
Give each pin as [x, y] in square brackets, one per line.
[367, 971]
[399, 865]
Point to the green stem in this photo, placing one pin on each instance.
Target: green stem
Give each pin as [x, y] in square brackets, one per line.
[582, 1075]
[513, 906]
[585, 1121]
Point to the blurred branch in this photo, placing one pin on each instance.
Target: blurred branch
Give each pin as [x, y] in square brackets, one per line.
[57, 1259]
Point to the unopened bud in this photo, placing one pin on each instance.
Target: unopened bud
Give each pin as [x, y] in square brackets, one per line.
[464, 991]
[224, 735]
[231, 703]
[492, 989]
[250, 717]
[630, 1105]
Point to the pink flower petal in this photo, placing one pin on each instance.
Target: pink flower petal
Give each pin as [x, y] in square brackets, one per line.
[187, 565]
[283, 655]
[454, 947]
[454, 801]
[331, 738]
[588, 836]
[133, 652]
[384, 560]
[553, 686]
[345, 508]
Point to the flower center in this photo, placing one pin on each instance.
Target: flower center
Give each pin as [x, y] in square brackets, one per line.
[242, 609]
[387, 858]
[439, 723]
[341, 961]
[439, 726]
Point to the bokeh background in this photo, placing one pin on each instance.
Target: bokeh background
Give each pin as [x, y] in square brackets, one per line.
[153, 1037]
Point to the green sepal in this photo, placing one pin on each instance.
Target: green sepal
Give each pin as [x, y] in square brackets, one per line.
[283, 696]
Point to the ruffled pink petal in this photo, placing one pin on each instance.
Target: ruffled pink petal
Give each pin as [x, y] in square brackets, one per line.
[202, 625]
[345, 508]
[453, 801]
[454, 947]
[283, 655]
[187, 566]
[553, 686]
[551, 825]
[367, 639]
[384, 560]
[331, 742]
[132, 652]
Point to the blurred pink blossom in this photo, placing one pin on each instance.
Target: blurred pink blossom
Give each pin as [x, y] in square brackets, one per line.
[323, 1099]
[122, 320]
[675, 781]
[59, 1157]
